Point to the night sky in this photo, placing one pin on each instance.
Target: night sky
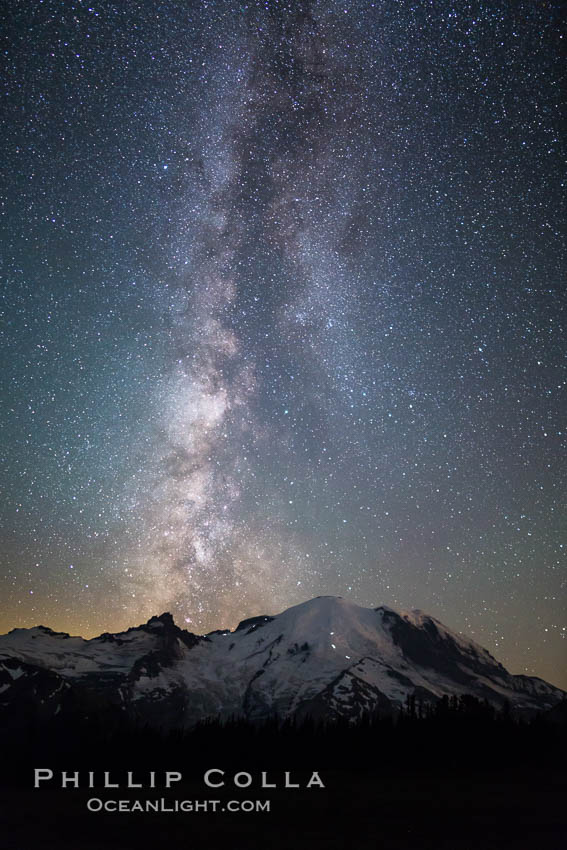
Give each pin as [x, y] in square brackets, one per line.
[283, 315]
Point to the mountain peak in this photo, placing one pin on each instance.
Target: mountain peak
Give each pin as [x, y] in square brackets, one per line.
[325, 657]
[164, 620]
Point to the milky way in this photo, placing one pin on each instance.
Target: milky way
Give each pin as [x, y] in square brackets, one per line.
[284, 301]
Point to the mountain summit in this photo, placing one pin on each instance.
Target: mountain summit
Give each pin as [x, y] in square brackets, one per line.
[326, 658]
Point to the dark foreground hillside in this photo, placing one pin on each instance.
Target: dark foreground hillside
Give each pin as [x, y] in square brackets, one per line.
[462, 777]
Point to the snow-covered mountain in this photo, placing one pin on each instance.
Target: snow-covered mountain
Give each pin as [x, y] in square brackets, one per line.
[325, 658]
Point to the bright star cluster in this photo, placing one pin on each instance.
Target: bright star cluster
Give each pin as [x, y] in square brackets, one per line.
[284, 314]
